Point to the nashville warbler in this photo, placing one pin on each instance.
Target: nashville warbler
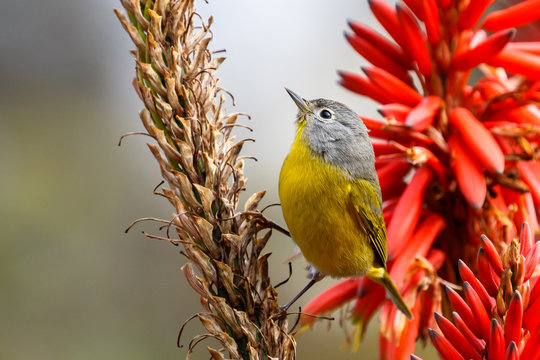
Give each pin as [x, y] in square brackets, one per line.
[331, 198]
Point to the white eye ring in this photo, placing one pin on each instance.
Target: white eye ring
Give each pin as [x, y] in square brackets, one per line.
[325, 114]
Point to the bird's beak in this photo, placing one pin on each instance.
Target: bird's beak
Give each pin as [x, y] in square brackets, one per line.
[299, 101]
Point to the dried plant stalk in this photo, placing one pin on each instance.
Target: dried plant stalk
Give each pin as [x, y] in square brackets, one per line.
[199, 161]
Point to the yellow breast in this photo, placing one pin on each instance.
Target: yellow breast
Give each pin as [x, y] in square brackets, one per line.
[315, 202]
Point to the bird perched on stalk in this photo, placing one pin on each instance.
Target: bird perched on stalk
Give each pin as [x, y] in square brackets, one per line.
[331, 198]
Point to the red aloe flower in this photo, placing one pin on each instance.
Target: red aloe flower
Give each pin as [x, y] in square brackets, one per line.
[456, 158]
[502, 324]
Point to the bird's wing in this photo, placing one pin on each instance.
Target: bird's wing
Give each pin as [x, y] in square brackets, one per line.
[366, 208]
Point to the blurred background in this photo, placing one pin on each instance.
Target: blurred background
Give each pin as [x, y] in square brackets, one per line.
[73, 285]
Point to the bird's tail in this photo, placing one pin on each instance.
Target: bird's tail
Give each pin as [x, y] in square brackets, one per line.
[381, 276]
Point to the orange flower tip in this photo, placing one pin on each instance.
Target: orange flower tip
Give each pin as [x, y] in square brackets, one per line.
[522, 13]
[491, 254]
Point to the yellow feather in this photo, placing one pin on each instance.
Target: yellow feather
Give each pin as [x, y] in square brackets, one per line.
[335, 218]
[314, 197]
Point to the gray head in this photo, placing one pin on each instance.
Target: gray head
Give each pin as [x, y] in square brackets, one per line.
[335, 132]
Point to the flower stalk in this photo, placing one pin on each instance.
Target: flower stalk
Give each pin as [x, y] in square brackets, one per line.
[203, 174]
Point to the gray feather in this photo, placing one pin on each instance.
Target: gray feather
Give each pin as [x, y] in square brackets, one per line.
[342, 140]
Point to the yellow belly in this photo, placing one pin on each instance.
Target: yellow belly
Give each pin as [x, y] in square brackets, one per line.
[315, 202]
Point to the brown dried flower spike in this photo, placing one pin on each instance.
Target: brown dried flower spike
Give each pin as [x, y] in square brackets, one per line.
[199, 161]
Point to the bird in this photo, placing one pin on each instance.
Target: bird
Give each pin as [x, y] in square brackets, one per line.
[331, 198]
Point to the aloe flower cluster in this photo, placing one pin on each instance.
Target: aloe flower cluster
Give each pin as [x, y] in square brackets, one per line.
[498, 315]
[456, 157]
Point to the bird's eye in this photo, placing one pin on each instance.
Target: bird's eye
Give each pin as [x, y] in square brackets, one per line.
[325, 114]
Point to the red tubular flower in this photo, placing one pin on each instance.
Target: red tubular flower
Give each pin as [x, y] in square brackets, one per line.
[486, 274]
[361, 85]
[483, 51]
[387, 17]
[463, 310]
[418, 245]
[496, 341]
[444, 347]
[469, 174]
[457, 158]
[472, 13]
[481, 142]
[515, 16]
[512, 352]
[492, 255]
[407, 211]
[477, 343]
[387, 47]
[397, 168]
[414, 40]
[332, 298]
[530, 172]
[468, 276]
[530, 351]
[519, 62]
[432, 21]
[395, 111]
[460, 342]
[376, 56]
[423, 114]
[512, 324]
[530, 47]
[395, 88]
